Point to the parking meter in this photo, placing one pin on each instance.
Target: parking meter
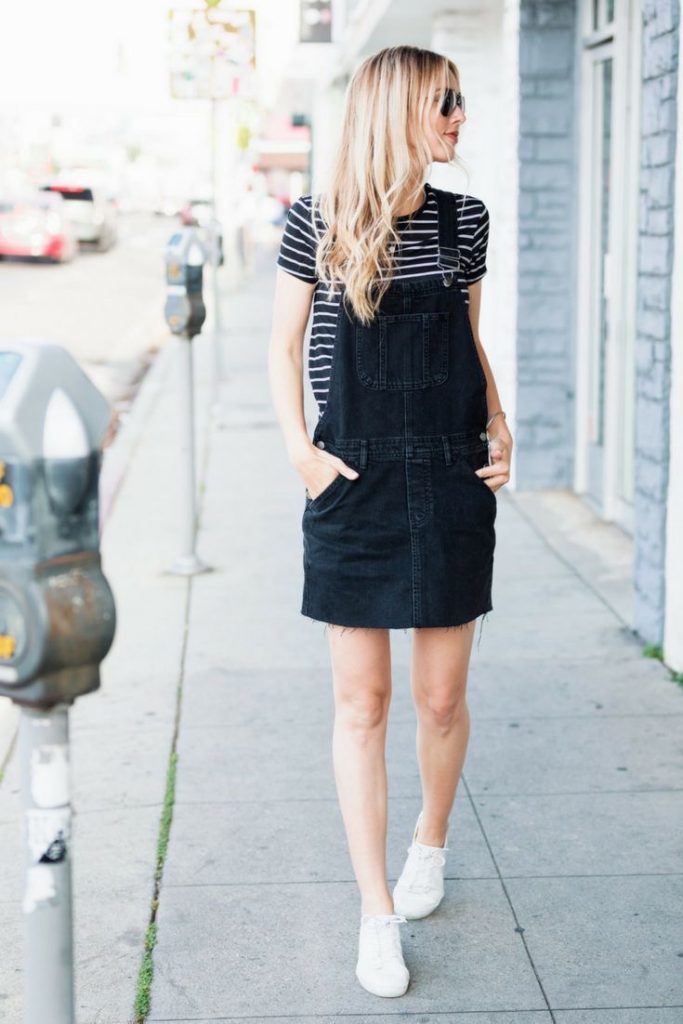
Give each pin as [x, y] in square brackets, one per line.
[57, 623]
[57, 615]
[185, 314]
[185, 310]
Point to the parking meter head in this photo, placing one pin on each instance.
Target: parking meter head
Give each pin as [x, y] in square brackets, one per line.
[185, 256]
[57, 614]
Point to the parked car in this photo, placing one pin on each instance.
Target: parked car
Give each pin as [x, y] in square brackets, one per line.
[90, 209]
[197, 213]
[167, 206]
[36, 225]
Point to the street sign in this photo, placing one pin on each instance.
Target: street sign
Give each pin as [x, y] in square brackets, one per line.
[212, 53]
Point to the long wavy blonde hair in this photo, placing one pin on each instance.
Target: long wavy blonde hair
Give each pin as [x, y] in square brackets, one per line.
[382, 152]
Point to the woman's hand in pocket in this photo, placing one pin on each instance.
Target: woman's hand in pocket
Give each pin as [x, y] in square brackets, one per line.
[497, 474]
[319, 468]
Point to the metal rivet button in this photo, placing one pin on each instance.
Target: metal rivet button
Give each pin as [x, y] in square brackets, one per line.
[483, 436]
[320, 444]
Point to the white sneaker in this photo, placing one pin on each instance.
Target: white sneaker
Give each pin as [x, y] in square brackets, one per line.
[419, 890]
[381, 968]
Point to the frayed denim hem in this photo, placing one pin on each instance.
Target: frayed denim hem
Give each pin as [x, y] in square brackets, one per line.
[460, 625]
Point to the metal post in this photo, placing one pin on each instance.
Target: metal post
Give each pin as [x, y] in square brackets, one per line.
[46, 804]
[217, 320]
[187, 564]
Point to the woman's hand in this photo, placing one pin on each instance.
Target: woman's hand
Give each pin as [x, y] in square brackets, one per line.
[319, 468]
[497, 474]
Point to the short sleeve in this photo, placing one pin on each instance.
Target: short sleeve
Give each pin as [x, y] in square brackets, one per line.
[480, 240]
[298, 244]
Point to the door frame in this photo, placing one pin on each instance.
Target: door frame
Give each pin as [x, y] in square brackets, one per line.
[622, 42]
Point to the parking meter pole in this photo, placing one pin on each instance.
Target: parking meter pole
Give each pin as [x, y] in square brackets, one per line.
[185, 314]
[187, 563]
[47, 903]
[217, 319]
[215, 254]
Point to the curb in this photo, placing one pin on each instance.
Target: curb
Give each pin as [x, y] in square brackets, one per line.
[118, 455]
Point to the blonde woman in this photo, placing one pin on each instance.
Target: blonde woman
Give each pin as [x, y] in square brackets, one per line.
[401, 473]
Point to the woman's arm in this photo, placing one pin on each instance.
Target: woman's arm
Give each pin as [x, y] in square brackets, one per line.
[291, 310]
[499, 473]
[492, 397]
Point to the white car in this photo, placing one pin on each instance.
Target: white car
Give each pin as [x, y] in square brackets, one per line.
[91, 212]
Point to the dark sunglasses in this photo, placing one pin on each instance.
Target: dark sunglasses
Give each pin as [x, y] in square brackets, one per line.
[450, 100]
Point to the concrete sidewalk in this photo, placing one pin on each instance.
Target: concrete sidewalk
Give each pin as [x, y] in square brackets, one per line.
[121, 735]
[564, 877]
[565, 874]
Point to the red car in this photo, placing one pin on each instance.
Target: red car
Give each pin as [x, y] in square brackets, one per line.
[36, 225]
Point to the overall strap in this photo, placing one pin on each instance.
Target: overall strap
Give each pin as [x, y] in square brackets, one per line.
[449, 253]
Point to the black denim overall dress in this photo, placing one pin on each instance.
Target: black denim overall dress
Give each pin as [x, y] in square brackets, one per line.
[410, 541]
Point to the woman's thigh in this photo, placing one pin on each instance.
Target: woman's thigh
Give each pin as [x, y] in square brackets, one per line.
[361, 665]
[440, 662]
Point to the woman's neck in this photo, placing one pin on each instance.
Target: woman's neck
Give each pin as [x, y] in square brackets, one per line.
[416, 204]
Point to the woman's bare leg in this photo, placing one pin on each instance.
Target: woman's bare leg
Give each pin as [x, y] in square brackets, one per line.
[361, 671]
[439, 667]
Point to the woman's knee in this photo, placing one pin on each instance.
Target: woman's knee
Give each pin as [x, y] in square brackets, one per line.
[441, 708]
[363, 709]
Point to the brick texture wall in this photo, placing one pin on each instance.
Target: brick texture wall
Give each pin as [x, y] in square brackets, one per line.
[661, 21]
[547, 241]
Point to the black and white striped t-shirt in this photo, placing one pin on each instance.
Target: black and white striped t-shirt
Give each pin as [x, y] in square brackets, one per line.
[416, 256]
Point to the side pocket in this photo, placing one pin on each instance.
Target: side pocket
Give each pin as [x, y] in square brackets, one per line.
[319, 500]
[473, 461]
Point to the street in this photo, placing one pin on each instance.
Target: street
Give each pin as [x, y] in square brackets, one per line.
[104, 308]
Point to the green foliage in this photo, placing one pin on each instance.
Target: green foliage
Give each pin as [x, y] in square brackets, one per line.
[142, 997]
[143, 994]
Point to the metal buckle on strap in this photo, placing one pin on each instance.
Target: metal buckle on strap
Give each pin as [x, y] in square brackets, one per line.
[450, 257]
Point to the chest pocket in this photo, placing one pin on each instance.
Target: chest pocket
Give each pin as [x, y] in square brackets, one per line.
[403, 350]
